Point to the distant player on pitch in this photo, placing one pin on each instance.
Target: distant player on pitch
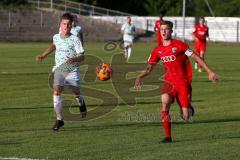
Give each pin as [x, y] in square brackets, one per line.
[173, 54]
[200, 35]
[69, 53]
[157, 29]
[76, 29]
[128, 30]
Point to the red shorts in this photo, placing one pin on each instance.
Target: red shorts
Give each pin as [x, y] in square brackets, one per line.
[200, 46]
[182, 92]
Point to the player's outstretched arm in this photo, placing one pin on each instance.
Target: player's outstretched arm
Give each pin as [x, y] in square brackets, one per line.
[138, 82]
[48, 51]
[211, 75]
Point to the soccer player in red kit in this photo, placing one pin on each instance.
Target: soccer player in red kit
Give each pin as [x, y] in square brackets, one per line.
[174, 56]
[157, 29]
[200, 35]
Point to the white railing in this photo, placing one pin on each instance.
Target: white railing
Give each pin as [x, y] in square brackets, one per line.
[221, 29]
[74, 7]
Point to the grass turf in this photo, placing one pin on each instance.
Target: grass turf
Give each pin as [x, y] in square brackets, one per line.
[128, 132]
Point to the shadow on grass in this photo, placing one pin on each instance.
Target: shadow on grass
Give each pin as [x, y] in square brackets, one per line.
[83, 126]
[142, 124]
[208, 138]
[217, 120]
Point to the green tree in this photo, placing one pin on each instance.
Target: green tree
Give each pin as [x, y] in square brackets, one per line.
[153, 7]
[168, 8]
[130, 6]
[222, 8]
[226, 7]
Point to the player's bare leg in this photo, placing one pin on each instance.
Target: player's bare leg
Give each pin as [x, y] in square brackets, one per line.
[166, 120]
[80, 101]
[196, 66]
[201, 55]
[191, 110]
[57, 103]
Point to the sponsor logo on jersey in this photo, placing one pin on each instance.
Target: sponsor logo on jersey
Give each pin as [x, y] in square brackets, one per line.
[201, 32]
[174, 50]
[170, 58]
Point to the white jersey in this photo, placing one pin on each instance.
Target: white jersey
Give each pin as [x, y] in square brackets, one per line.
[128, 32]
[76, 30]
[69, 47]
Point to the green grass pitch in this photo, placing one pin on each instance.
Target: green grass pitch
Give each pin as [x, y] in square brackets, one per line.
[128, 132]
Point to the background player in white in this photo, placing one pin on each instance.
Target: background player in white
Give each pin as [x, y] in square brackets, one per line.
[69, 52]
[76, 29]
[128, 30]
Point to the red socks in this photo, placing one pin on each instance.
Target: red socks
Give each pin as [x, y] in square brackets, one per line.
[166, 120]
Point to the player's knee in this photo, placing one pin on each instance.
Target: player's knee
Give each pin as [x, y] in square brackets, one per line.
[57, 91]
[166, 105]
[166, 102]
[202, 54]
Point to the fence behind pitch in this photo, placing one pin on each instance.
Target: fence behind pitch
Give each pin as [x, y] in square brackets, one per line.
[221, 29]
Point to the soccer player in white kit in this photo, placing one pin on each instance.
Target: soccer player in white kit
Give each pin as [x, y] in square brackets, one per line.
[128, 30]
[76, 29]
[69, 53]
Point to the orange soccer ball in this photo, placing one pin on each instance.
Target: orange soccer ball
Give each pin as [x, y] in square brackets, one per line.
[104, 71]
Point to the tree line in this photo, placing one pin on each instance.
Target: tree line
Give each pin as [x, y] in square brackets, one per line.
[223, 8]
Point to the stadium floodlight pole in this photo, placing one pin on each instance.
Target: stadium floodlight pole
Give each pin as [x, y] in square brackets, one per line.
[209, 7]
[38, 4]
[65, 3]
[183, 14]
[9, 19]
[51, 4]
[213, 15]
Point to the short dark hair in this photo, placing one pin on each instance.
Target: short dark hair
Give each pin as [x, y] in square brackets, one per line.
[67, 16]
[168, 23]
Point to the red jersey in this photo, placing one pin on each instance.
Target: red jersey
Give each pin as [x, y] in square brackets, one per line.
[201, 32]
[174, 57]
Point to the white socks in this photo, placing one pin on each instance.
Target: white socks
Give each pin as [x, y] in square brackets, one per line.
[57, 103]
[128, 52]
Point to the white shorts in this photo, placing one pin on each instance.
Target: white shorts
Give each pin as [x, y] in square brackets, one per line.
[128, 39]
[66, 79]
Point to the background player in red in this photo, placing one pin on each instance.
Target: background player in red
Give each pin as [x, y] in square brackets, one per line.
[157, 29]
[200, 35]
[174, 55]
